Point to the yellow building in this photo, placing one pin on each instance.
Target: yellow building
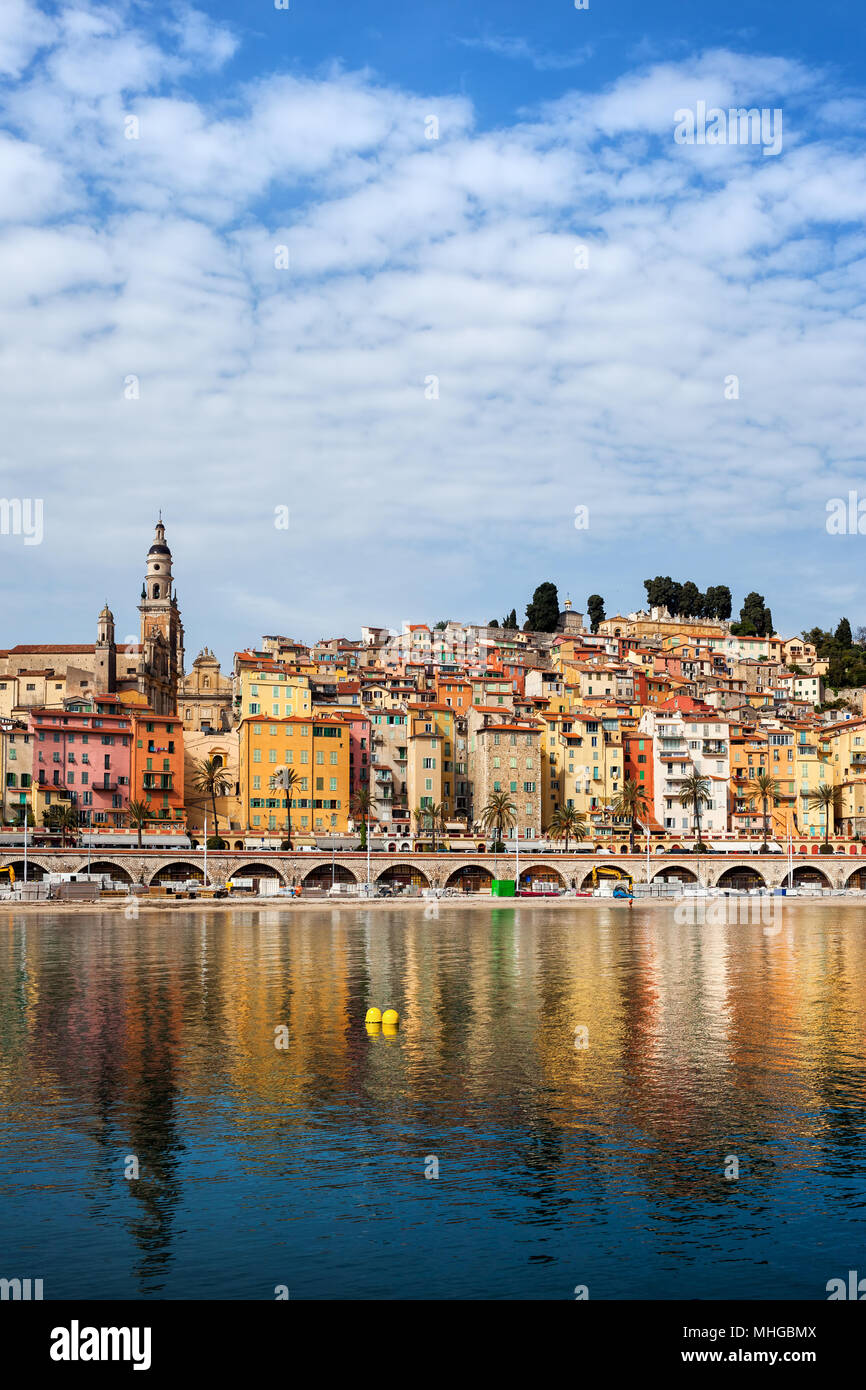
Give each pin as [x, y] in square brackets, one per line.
[582, 766]
[265, 687]
[430, 772]
[810, 771]
[16, 768]
[222, 749]
[844, 764]
[317, 750]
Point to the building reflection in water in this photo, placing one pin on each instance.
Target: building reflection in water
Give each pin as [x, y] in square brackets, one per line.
[158, 1038]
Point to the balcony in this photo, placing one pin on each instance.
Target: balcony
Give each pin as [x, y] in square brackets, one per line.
[103, 787]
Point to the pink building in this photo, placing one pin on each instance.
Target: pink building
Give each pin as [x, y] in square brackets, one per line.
[359, 745]
[81, 757]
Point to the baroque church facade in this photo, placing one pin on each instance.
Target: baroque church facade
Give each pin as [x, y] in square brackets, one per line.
[148, 672]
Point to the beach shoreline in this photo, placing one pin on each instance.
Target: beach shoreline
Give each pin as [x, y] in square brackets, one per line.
[430, 906]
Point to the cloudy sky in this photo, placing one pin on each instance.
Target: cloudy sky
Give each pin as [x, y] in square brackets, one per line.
[239, 274]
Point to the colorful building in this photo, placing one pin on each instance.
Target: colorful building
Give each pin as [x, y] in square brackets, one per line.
[317, 749]
[157, 772]
[82, 758]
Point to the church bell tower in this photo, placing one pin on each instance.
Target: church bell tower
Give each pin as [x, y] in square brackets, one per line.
[160, 615]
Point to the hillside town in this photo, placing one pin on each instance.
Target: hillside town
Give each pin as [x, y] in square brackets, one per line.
[680, 730]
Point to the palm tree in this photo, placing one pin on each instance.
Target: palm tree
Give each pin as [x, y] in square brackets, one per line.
[362, 804]
[567, 823]
[436, 818]
[634, 803]
[768, 790]
[139, 815]
[288, 779]
[499, 814]
[826, 799]
[210, 778]
[64, 819]
[695, 793]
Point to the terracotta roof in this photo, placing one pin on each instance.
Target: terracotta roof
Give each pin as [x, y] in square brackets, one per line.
[52, 647]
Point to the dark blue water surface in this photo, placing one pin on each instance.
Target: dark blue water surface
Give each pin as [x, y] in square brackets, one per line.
[559, 1165]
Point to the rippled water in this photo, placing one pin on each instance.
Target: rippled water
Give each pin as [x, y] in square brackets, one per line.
[559, 1165]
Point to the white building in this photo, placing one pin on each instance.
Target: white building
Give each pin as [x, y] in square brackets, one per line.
[684, 743]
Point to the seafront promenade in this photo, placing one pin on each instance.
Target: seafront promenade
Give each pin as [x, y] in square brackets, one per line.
[469, 874]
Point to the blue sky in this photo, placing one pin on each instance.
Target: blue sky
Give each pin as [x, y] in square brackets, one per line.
[238, 275]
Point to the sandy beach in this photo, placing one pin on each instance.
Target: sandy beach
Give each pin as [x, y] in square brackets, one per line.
[431, 906]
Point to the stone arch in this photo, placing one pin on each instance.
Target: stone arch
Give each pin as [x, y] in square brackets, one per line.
[323, 875]
[256, 870]
[857, 879]
[618, 869]
[541, 873]
[35, 871]
[177, 872]
[741, 876]
[807, 874]
[470, 878]
[119, 872]
[672, 872]
[403, 876]
[239, 844]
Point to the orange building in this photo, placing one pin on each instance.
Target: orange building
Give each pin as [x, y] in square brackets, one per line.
[453, 692]
[156, 774]
[637, 750]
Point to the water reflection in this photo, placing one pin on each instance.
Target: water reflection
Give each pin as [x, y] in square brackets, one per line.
[558, 1164]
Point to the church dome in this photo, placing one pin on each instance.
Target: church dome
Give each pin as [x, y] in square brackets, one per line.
[159, 550]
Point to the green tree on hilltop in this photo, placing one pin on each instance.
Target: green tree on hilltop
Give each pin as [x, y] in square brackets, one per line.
[542, 614]
[756, 620]
[595, 611]
[691, 600]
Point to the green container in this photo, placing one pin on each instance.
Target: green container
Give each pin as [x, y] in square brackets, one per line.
[503, 888]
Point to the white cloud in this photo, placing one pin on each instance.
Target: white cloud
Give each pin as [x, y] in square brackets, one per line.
[23, 31]
[414, 258]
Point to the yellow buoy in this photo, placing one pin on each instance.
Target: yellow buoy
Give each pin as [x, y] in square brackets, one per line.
[374, 1029]
[373, 1016]
[391, 1017]
[389, 1030]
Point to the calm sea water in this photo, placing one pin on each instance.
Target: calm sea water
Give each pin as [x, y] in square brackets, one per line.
[559, 1165]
